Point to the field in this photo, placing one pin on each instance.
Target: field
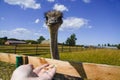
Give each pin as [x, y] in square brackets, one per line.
[67, 53]
[100, 56]
[76, 54]
[6, 70]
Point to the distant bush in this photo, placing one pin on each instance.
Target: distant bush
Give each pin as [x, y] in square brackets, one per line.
[3, 40]
[71, 41]
[118, 46]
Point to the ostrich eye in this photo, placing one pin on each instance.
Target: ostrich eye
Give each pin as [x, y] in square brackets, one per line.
[60, 17]
[46, 17]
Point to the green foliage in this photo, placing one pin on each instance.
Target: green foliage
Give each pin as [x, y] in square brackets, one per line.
[98, 44]
[118, 46]
[13, 39]
[31, 41]
[3, 40]
[71, 41]
[104, 44]
[108, 44]
[6, 70]
[41, 38]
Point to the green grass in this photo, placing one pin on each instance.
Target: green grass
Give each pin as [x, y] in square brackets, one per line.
[76, 54]
[6, 70]
[100, 56]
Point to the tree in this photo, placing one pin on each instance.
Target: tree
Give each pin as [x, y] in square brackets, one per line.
[31, 41]
[118, 46]
[13, 39]
[108, 44]
[3, 40]
[41, 38]
[98, 44]
[71, 41]
[104, 44]
[67, 41]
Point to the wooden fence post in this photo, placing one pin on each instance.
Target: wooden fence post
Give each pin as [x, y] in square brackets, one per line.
[62, 47]
[76, 48]
[25, 60]
[15, 50]
[36, 48]
[69, 48]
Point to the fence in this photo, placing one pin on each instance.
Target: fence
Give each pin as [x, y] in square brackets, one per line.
[35, 48]
[70, 70]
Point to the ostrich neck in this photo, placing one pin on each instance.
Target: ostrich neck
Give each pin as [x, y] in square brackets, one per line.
[53, 43]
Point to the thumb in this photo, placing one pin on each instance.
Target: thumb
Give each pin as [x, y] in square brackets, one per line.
[22, 72]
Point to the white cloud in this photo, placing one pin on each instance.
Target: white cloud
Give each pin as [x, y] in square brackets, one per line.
[86, 1]
[60, 7]
[74, 23]
[37, 21]
[50, 0]
[20, 33]
[24, 3]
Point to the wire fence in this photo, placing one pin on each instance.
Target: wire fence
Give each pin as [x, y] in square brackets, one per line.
[6, 69]
[36, 48]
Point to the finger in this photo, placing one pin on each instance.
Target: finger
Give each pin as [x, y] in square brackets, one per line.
[38, 69]
[29, 70]
[48, 74]
[52, 71]
[50, 66]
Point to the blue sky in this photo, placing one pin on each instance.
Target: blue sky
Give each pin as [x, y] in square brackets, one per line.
[93, 21]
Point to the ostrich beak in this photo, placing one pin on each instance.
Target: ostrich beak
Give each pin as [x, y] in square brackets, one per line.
[52, 21]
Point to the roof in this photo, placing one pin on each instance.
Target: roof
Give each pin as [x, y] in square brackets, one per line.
[16, 42]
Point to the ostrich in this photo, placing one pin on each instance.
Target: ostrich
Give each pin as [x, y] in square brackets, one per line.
[53, 21]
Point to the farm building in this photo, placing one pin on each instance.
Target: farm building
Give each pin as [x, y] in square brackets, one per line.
[45, 42]
[9, 42]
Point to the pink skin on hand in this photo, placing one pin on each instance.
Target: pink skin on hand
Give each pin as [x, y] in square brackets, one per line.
[27, 72]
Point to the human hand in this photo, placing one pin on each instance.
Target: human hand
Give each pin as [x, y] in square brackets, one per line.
[27, 72]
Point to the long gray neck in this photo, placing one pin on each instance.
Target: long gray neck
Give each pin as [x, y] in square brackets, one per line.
[53, 43]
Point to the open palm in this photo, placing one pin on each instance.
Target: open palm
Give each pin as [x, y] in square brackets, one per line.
[27, 72]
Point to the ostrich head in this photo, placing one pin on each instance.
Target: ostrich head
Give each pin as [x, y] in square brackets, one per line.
[53, 21]
[53, 18]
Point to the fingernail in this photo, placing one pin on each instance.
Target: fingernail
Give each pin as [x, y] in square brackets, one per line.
[53, 66]
[45, 68]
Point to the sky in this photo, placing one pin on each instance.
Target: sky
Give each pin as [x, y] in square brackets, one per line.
[93, 21]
